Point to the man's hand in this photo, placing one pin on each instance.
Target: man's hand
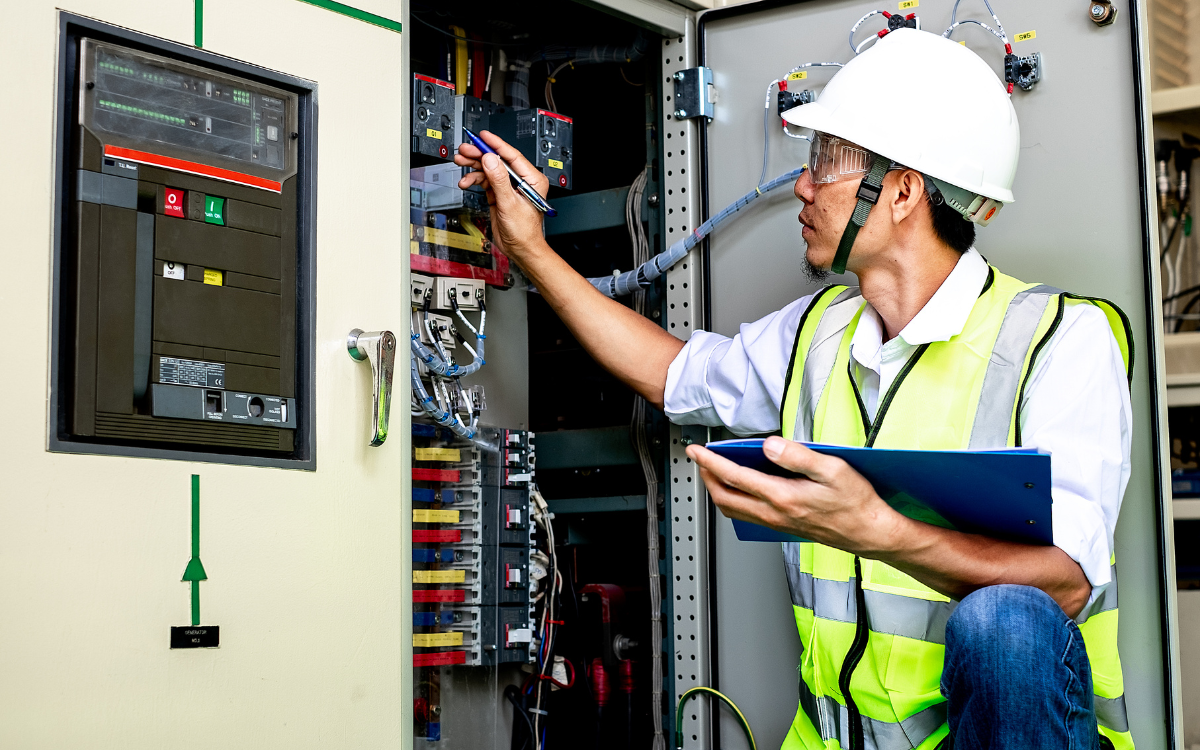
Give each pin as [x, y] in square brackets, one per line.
[832, 504]
[516, 224]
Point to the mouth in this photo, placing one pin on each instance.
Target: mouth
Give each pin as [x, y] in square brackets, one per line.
[806, 228]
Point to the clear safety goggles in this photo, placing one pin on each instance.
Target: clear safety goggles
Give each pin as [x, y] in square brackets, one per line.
[832, 159]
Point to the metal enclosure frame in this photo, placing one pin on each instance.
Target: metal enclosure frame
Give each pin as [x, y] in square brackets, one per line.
[1154, 470]
[70, 28]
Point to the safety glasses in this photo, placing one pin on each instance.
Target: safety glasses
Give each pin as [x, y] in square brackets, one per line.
[831, 159]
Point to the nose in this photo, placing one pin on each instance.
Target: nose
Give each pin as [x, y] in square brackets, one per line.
[804, 188]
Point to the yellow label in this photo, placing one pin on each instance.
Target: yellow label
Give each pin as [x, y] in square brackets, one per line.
[454, 455]
[430, 640]
[906, 4]
[799, 75]
[446, 239]
[216, 278]
[555, 163]
[1025, 36]
[963, 44]
[431, 133]
[439, 576]
[421, 515]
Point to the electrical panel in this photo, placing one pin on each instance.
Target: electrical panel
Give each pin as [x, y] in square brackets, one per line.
[183, 311]
[544, 137]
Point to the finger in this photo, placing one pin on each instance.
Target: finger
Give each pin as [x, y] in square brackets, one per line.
[470, 151]
[499, 180]
[473, 178]
[464, 161]
[736, 504]
[739, 477]
[801, 459]
[517, 161]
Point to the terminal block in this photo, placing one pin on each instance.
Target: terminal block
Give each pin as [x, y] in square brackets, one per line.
[432, 117]
[467, 293]
[544, 137]
[1023, 71]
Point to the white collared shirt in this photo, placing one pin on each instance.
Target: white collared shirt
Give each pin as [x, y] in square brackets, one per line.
[1076, 404]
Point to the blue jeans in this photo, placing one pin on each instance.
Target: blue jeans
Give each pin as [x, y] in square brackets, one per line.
[1016, 674]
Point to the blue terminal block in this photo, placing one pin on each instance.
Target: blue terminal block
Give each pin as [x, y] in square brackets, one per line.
[432, 619]
[433, 731]
[424, 430]
[424, 495]
[449, 496]
[432, 555]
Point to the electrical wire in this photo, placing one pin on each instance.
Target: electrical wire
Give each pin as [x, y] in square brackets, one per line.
[642, 276]
[439, 30]
[762, 176]
[860, 22]
[716, 693]
[637, 429]
[550, 84]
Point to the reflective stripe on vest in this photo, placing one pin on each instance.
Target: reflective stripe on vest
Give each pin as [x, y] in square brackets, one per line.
[961, 394]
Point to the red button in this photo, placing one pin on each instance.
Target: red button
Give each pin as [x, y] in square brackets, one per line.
[562, 180]
[443, 151]
[173, 203]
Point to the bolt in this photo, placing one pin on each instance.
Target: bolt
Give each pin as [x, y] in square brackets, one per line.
[681, 113]
[1097, 10]
[685, 440]
[656, 314]
[653, 199]
[679, 75]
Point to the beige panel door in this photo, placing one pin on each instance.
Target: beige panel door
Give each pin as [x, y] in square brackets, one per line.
[306, 569]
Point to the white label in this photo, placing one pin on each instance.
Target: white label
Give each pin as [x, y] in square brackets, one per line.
[173, 271]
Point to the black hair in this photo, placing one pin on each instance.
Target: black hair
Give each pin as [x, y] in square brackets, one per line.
[950, 226]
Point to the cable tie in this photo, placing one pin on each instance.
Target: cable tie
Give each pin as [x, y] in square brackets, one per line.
[556, 622]
[538, 711]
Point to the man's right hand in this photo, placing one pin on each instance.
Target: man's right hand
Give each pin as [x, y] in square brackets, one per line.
[516, 223]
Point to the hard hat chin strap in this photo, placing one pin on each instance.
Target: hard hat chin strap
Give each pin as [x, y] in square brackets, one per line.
[868, 195]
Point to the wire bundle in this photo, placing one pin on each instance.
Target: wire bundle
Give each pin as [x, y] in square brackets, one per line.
[637, 428]
[547, 625]
[440, 407]
[642, 276]
[997, 32]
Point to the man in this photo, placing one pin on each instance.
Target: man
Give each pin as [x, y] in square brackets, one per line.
[913, 635]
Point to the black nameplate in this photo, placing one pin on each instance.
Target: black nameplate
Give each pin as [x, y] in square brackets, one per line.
[196, 636]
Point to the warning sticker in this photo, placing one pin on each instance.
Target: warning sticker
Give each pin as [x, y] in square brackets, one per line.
[175, 371]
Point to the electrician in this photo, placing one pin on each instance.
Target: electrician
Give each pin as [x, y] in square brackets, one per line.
[912, 634]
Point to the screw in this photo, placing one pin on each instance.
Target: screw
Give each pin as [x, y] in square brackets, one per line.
[1029, 485]
[681, 113]
[679, 75]
[685, 440]
[1097, 10]
[653, 199]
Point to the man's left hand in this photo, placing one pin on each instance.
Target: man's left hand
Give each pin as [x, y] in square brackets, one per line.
[831, 503]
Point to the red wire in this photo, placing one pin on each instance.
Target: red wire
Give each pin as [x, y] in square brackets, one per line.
[570, 680]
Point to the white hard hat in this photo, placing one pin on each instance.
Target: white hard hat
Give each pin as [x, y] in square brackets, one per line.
[929, 104]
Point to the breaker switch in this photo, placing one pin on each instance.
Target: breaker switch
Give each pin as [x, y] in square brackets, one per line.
[513, 636]
[512, 577]
[512, 516]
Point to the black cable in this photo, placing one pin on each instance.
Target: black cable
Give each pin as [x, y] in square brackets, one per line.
[420, 20]
[1184, 293]
[1190, 304]
[511, 692]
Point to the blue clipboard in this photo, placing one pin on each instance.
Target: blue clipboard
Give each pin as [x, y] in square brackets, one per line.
[1001, 493]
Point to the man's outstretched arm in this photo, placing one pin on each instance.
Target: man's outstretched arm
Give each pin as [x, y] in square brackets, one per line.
[625, 343]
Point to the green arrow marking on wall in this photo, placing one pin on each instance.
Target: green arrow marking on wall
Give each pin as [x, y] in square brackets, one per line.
[194, 572]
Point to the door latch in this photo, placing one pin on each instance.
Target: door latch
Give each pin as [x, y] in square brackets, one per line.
[378, 348]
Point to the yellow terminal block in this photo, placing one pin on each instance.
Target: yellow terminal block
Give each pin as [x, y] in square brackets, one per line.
[421, 515]
[439, 576]
[451, 455]
[431, 640]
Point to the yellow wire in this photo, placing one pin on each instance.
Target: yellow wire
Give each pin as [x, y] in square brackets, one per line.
[741, 717]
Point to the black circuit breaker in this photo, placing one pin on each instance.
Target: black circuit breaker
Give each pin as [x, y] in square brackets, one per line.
[433, 129]
[178, 322]
[544, 137]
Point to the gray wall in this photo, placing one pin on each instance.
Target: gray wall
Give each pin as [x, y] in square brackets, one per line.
[1077, 224]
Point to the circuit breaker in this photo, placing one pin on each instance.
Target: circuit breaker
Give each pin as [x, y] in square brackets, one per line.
[544, 137]
[180, 315]
[433, 117]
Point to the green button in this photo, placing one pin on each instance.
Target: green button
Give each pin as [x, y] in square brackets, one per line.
[214, 210]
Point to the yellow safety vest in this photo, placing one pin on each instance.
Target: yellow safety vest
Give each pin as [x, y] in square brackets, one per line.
[863, 621]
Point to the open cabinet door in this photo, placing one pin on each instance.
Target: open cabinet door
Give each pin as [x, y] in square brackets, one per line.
[1082, 221]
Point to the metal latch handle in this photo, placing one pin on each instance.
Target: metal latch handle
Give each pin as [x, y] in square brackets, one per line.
[379, 349]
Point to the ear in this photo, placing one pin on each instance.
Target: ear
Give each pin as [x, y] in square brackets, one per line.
[910, 194]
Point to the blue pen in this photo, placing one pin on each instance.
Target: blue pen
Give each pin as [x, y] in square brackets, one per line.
[522, 186]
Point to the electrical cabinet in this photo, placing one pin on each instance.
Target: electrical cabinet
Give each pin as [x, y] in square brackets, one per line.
[184, 294]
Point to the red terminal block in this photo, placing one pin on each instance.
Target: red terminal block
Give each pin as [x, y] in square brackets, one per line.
[439, 658]
[432, 596]
[436, 475]
[436, 536]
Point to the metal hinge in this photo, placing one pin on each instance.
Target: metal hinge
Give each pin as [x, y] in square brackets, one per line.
[694, 93]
